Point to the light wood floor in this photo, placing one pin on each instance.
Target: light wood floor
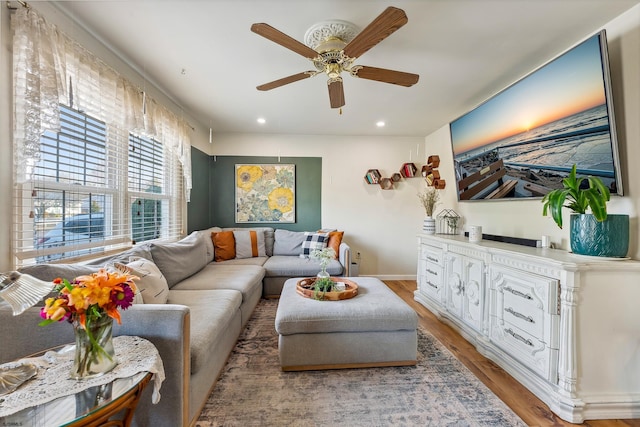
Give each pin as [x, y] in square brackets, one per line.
[531, 409]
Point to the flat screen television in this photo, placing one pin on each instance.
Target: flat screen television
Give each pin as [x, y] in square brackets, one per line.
[523, 141]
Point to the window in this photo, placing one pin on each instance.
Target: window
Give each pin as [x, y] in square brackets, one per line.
[146, 179]
[97, 188]
[108, 167]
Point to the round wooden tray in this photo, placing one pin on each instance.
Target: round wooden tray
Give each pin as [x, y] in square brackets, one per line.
[304, 287]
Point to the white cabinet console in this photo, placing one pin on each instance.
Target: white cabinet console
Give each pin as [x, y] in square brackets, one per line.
[566, 326]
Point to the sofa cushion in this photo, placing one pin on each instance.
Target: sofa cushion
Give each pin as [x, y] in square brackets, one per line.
[335, 238]
[242, 278]
[288, 242]
[151, 284]
[259, 261]
[249, 243]
[312, 242]
[50, 272]
[139, 251]
[289, 266]
[211, 314]
[224, 245]
[206, 235]
[181, 259]
[268, 236]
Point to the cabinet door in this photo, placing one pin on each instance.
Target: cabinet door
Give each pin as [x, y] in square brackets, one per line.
[465, 286]
[454, 279]
[474, 293]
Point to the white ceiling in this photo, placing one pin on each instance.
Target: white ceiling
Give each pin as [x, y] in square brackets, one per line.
[464, 51]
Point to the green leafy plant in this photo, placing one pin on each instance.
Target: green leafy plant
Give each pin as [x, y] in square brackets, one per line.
[578, 199]
[321, 286]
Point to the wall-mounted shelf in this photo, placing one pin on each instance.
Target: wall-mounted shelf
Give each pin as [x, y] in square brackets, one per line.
[373, 176]
[408, 170]
[386, 184]
[431, 174]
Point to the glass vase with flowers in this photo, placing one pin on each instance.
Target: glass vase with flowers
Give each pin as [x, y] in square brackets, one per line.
[91, 303]
[323, 282]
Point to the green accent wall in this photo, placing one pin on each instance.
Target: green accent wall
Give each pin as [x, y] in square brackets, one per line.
[215, 200]
[198, 217]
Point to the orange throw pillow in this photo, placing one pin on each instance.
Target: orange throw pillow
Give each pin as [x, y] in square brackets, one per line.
[224, 245]
[335, 238]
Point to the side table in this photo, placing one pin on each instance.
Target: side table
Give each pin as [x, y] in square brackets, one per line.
[95, 406]
[53, 399]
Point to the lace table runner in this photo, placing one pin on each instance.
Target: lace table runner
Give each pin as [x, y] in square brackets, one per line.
[134, 355]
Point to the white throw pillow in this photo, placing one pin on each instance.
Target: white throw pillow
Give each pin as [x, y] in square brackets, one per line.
[152, 285]
[249, 243]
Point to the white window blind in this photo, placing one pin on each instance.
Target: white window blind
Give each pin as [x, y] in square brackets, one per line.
[97, 164]
[94, 189]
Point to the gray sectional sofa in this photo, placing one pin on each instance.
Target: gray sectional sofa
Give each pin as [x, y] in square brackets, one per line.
[201, 311]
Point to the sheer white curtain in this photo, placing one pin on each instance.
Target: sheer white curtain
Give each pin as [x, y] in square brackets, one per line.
[77, 168]
[51, 69]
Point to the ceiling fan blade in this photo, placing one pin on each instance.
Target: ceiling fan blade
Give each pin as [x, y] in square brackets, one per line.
[276, 36]
[336, 93]
[286, 80]
[382, 27]
[385, 76]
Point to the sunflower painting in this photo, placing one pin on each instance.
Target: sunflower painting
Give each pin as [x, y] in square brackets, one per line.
[265, 193]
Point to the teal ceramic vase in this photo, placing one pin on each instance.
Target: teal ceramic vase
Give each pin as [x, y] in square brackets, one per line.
[609, 238]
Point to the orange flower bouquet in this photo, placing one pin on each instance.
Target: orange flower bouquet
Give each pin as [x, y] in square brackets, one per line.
[91, 303]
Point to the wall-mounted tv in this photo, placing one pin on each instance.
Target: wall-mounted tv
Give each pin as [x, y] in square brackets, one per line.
[523, 141]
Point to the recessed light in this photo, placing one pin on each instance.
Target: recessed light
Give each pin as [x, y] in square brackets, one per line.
[262, 120]
[380, 124]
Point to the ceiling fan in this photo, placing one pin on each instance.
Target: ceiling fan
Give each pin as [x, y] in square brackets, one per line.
[335, 53]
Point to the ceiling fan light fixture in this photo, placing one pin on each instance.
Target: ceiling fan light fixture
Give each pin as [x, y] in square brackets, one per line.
[332, 44]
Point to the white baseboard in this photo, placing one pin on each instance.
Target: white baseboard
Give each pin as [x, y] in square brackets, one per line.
[392, 276]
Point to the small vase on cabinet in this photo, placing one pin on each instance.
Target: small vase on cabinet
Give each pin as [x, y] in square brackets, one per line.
[429, 225]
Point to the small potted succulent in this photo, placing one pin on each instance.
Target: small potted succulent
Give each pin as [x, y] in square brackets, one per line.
[597, 233]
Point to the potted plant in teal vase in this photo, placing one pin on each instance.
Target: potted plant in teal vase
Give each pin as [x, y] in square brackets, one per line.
[597, 233]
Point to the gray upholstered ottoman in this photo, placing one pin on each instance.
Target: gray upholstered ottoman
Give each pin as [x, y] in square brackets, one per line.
[375, 328]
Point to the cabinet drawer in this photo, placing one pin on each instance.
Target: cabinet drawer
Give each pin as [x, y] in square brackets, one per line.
[525, 348]
[524, 314]
[525, 300]
[432, 255]
[433, 280]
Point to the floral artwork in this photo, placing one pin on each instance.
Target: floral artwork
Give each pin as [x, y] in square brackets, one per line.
[265, 193]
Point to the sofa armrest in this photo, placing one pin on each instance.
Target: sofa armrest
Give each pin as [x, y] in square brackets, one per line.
[167, 326]
[21, 336]
[344, 256]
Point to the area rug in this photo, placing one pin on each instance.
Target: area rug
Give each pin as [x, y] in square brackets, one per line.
[439, 391]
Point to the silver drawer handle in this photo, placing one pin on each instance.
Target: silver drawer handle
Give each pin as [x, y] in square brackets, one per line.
[519, 337]
[519, 315]
[432, 285]
[432, 259]
[435, 273]
[518, 293]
